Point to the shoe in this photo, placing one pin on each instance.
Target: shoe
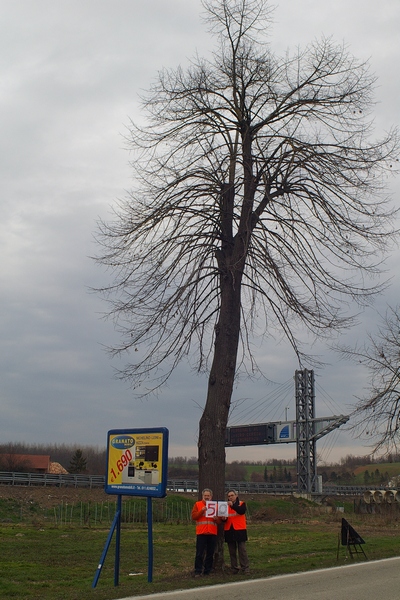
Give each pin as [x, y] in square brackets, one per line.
[246, 571]
[195, 574]
[235, 571]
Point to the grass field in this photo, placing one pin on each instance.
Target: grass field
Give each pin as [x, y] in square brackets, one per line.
[49, 560]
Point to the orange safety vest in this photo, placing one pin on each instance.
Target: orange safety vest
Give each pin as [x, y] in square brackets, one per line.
[238, 521]
[204, 525]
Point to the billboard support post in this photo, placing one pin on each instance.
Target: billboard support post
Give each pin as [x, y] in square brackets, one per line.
[117, 541]
[150, 539]
[137, 465]
[115, 525]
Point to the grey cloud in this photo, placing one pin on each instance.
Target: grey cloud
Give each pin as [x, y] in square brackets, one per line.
[71, 73]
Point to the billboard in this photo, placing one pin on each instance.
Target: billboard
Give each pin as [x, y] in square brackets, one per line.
[137, 462]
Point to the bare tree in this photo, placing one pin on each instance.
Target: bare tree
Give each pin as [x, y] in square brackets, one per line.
[13, 460]
[259, 202]
[377, 414]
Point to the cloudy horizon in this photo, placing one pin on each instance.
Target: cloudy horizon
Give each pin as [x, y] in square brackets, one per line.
[72, 73]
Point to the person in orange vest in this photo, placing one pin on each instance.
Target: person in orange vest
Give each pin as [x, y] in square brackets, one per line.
[235, 532]
[206, 535]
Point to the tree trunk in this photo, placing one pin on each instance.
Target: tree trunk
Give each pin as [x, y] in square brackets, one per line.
[220, 385]
[231, 258]
[215, 416]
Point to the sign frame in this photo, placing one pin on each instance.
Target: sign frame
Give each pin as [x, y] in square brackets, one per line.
[137, 462]
[250, 435]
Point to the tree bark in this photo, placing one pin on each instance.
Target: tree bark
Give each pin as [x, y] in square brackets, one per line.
[231, 259]
[220, 385]
[211, 446]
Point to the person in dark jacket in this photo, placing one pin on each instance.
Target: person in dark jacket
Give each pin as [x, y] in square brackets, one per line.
[235, 533]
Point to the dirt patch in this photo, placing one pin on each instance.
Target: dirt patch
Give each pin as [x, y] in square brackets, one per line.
[49, 496]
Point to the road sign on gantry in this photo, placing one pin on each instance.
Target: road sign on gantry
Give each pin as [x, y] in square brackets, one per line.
[137, 462]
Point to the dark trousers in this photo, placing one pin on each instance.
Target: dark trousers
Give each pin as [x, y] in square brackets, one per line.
[205, 548]
[241, 550]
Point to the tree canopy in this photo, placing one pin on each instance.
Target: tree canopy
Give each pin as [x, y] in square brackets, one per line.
[259, 202]
[78, 462]
[377, 414]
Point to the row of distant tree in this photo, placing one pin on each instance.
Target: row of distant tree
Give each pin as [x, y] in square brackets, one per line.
[92, 460]
[75, 459]
[351, 461]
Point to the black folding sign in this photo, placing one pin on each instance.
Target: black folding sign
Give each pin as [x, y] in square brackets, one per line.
[350, 535]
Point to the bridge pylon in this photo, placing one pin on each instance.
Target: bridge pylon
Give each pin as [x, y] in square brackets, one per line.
[305, 424]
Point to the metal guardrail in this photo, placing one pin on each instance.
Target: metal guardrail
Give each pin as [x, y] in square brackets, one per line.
[96, 481]
[179, 485]
[248, 487]
[173, 485]
[52, 479]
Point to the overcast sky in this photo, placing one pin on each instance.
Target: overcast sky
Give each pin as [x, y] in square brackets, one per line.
[70, 76]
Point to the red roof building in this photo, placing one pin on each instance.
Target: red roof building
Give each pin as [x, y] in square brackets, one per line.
[32, 463]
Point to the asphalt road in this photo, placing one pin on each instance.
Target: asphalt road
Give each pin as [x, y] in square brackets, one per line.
[355, 581]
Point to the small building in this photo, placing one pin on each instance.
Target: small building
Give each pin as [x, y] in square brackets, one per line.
[30, 463]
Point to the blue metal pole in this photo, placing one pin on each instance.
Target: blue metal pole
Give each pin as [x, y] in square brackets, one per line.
[118, 541]
[150, 539]
[116, 520]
